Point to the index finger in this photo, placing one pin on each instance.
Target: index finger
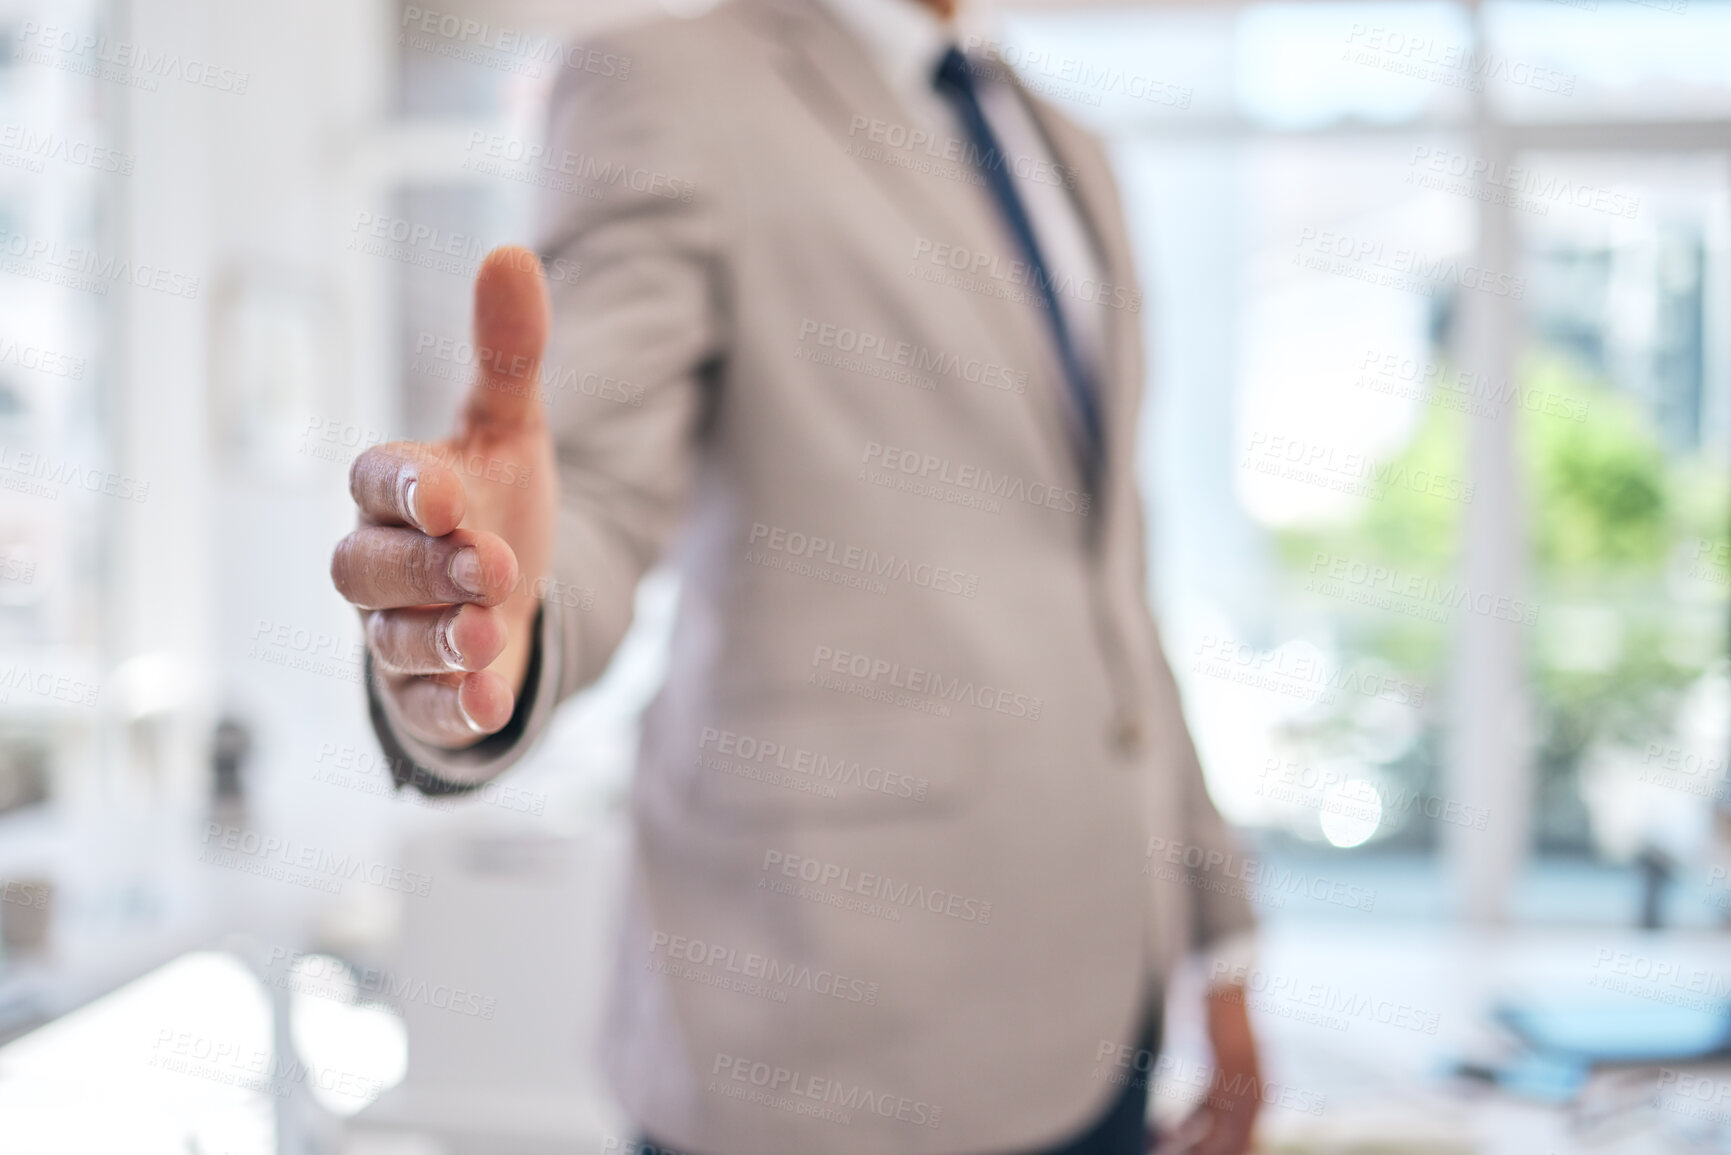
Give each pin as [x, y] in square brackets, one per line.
[405, 483]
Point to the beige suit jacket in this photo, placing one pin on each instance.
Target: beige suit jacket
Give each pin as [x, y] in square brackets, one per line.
[918, 827]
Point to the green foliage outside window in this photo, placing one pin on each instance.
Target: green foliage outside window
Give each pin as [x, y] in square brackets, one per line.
[1628, 574]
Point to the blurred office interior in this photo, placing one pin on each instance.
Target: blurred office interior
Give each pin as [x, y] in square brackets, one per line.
[1436, 299]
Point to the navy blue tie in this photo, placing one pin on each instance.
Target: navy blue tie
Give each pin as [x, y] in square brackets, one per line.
[955, 80]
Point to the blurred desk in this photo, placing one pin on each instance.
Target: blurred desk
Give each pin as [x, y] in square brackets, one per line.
[1361, 1026]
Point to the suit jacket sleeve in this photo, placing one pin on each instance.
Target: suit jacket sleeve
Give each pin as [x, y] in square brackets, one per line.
[630, 236]
[1222, 909]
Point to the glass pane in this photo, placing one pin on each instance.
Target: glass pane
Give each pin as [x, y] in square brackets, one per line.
[1626, 441]
[1307, 473]
[1282, 66]
[1311, 65]
[1616, 60]
[59, 275]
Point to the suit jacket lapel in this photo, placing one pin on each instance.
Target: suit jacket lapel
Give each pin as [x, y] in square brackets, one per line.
[835, 78]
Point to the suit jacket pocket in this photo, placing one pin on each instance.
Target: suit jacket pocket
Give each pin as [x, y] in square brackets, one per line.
[775, 766]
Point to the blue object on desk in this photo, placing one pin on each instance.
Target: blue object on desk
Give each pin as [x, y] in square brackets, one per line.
[1621, 1032]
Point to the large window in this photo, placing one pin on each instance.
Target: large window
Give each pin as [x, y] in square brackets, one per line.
[1439, 444]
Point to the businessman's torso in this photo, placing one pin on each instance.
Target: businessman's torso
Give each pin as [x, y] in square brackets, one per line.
[914, 694]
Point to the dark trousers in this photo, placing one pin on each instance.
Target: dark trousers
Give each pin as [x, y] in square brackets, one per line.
[1122, 1130]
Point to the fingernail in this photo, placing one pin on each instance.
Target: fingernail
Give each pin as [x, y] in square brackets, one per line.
[448, 640]
[406, 498]
[466, 571]
[468, 721]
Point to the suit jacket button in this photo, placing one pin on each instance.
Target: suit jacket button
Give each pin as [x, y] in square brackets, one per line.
[1127, 736]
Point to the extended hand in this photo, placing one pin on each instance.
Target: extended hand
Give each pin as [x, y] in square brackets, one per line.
[456, 536]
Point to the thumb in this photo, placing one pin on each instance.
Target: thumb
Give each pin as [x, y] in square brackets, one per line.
[511, 321]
